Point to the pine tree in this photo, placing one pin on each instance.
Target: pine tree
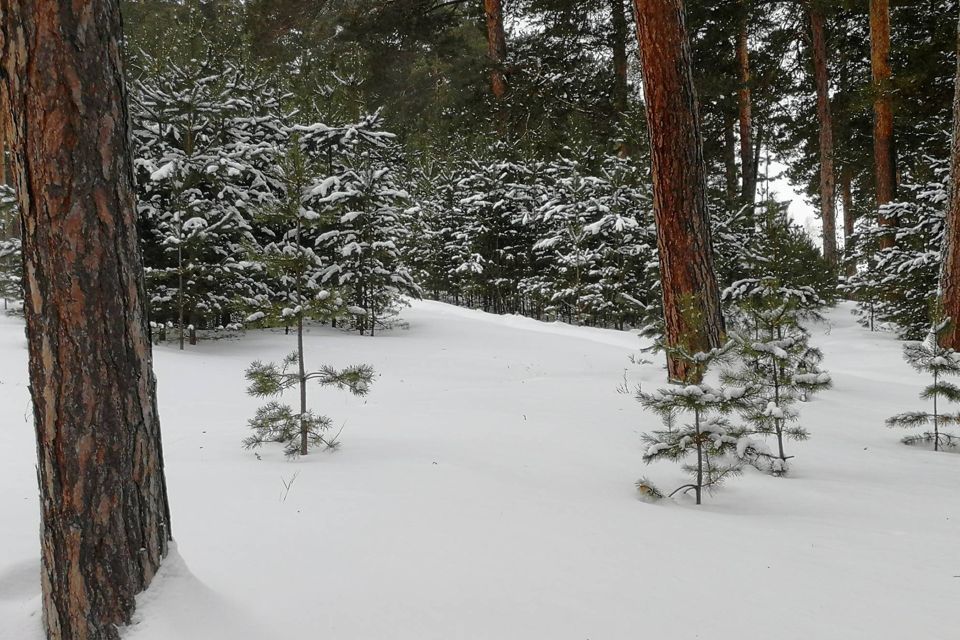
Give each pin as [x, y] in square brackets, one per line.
[11, 256]
[371, 224]
[298, 431]
[718, 445]
[895, 285]
[930, 358]
[777, 361]
[201, 140]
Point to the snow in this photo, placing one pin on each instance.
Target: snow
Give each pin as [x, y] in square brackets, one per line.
[485, 489]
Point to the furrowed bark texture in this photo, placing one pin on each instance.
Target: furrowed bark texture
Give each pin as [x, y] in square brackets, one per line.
[496, 46]
[883, 151]
[827, 179]
[950, 274]
[691, 300]
[104, 513]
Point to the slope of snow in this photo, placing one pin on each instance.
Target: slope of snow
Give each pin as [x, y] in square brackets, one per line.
[485, 490]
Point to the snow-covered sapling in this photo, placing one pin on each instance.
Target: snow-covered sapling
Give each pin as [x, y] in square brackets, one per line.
[277, 422]
[779, 363]
[718, 446]
[930, 358]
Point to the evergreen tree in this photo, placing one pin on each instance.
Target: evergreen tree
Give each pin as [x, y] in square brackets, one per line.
[895, 285]
[11, 258]
[720, 447]
[777, 361]
[938, 362]
[371, 223]
[200, 141]
[298, 431]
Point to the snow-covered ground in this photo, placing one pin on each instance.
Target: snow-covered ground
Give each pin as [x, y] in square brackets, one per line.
[485, 491]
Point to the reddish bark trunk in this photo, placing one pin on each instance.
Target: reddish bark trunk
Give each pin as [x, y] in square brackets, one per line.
[883, 151]
[496, 46]
[827, 180]
[950, 274]
[691, 301]
[104, 513]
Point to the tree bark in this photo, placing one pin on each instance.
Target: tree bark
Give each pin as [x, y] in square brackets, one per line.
[496, 47]
[950, 273]
[827, 180]
[691, 300]
[748, 192]
[884, 158]
[846, 196]
[619, 50]
[104, 512]
[730, 162]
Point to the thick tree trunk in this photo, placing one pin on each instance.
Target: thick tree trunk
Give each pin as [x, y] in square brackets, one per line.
[748, 190]
[496, 47]
[884, 158]
[691, 300]
[827, 180]
[104, 514]
[950, 274]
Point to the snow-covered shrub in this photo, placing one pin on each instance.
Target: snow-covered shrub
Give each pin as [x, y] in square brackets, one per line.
[938, 362]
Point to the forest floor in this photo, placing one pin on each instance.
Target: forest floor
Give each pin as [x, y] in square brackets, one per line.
[485, 490]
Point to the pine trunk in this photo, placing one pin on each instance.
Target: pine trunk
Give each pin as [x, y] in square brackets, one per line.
[950, 274]
[748, 192]
[883, 151]
[846, 195]
[619, 50]
[104, 513]
[496, 47]
[730, 162]
[691, 300]
[827, 181]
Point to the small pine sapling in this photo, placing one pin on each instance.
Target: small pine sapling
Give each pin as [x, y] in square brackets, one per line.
[278, 422]
[718, 446]
[930, 358]
[778, 362]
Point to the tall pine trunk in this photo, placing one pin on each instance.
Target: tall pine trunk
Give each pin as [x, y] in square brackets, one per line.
[884, 158]
[825, 120]
[846, 196]
[950, 274]
[691, 300]
[496, 47]
[619, 49]
[104, 512]
[748, 170]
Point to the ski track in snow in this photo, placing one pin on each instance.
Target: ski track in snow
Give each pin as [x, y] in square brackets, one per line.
[485, 491]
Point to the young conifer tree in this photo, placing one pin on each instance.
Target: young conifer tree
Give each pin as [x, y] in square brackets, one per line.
[776, 360]
[930, 358]
[718, 446]
[298, 273]
[11, 259]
